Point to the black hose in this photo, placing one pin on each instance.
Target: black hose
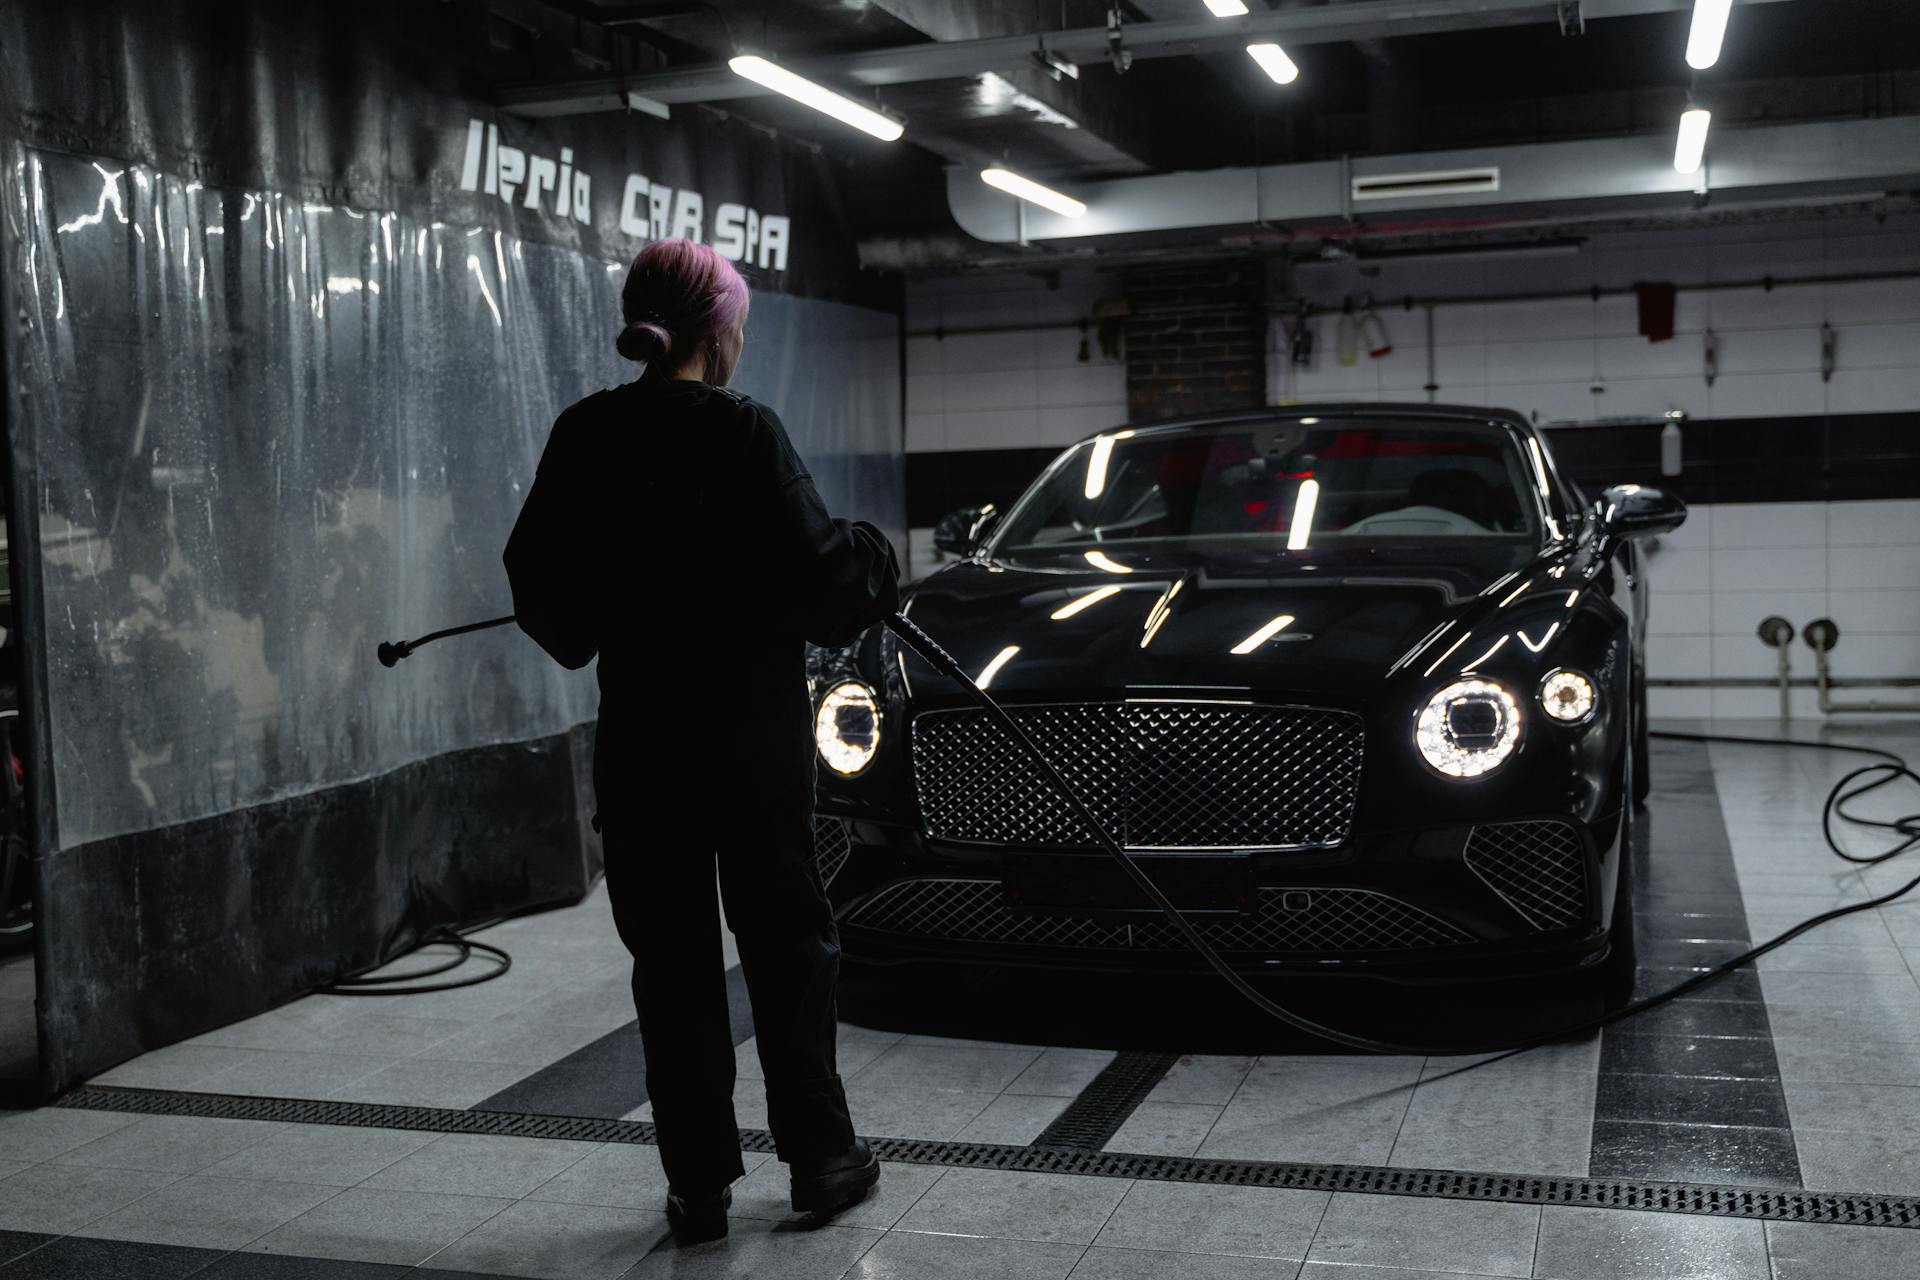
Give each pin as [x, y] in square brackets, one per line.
[359, 984]
[1890, 769]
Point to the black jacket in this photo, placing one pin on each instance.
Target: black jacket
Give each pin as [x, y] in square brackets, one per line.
[673, 530]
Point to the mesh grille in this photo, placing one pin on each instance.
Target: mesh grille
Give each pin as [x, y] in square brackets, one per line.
[1539, 868]
[831, 845]
[1320, 920]
[1158, 775]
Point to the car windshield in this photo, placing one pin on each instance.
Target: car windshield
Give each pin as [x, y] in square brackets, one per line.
[1299, 481]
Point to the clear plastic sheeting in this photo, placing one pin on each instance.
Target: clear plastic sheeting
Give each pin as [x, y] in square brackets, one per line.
[266, 434]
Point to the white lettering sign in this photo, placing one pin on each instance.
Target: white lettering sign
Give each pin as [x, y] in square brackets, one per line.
[648, 210]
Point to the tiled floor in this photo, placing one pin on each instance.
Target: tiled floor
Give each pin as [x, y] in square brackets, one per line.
[1808, 1071]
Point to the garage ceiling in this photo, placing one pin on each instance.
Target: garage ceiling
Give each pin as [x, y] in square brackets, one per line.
[1378, 78]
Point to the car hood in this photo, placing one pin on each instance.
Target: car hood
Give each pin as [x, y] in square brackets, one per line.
[1175, 612]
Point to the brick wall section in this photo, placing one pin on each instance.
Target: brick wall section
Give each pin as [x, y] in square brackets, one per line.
[1196, 338]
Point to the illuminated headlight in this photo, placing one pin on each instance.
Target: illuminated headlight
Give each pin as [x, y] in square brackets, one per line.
[1468, 728]
[847, 727]
[1567, 696]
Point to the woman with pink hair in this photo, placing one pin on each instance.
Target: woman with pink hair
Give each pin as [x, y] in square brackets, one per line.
[673, 530]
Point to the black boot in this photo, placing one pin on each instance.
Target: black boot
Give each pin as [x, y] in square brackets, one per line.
[837, 1183]
[695, 1219]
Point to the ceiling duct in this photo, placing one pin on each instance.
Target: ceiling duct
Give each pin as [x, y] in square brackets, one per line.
[1433, 182]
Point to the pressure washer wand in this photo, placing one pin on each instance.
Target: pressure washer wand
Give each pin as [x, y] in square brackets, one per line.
[391, 651]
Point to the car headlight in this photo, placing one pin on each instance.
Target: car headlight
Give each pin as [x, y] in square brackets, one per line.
[1468, 728]
[846, 728]
[1568, 696]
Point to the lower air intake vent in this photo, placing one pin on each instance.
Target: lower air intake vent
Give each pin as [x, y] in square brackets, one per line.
[1538, 868]
[831, 845]
[1286, 919]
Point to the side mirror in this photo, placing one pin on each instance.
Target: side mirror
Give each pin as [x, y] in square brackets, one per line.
[961, 532]
[1634, 510]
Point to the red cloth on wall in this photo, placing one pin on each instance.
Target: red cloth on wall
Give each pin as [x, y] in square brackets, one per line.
[1656, 310]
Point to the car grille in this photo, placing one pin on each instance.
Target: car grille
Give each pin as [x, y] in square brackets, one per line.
[1158, 775]
[1315, 920]
[1538, 868]
[831, 844]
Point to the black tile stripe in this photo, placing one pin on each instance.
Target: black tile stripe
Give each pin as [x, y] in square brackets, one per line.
[607, 1078]
[1691, 1090]
[27, 1255]
[1091, 1119]
[1642, 1195]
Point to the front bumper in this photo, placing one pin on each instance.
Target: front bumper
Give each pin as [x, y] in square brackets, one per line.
[1523, 896]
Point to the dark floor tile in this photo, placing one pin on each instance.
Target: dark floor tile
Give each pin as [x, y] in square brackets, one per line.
[1622, 1051]
[273, 1266]
[1700, 918]
[1689, 952]
[15, 1243]
[80, 1258]
[1694, 1153]
[1741, 984]
[1691, 1100]
[1692, 1017]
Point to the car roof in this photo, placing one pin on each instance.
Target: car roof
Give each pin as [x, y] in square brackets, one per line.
[1344, 409]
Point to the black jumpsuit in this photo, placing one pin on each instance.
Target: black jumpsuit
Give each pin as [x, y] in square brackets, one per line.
[673, 530]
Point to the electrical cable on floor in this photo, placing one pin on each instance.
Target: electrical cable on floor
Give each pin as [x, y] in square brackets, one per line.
[359, 984]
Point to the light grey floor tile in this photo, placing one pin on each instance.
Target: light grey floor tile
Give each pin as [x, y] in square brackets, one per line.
[286, 1073]
[766, 1193]
[970, 1042]
[1887, 1162]
[605, 1006]
[1016, 1206]
[52, 1131]
[416, 1082]
[1265, 1222]
[1165, 1129]
[949, 1067]
[906, 1255]
[515, 1039]
[373, 1031]
[337, 1024]
[209, 1213]
[1203, 1079]
[1441, 1235]
[1806, 1251]
[1338, 1271]
[756, 1250]
[1142, 1264]
[624, 1176]
[1847, 1061]
[1522, 1144]
[551, 1241]
[1803, 956]
[893, 1111]
[169, 1144]
[10, 1167]
[1062, 1073]
[1276, 1128]
[1576, 1056]
[178, 1066]
[1307, 1083]
[1617, 1244]
[1863, 1108]
[1844, 1022]
[1864, 929]
[1894, 993]
[1507, 1089]
[1012, 1118]
[471, 1164]
[400, 1227]
[57, 1199]
[324, 1155]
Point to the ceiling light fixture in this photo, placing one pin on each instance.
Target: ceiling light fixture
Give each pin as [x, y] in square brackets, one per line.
[1274, 61]
[1032, 192]
[817, 96]
[1226, 8]
[1709, 28]
[1691, 143]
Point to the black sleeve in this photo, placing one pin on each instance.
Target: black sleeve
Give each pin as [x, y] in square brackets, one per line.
[835, 578]
[549, 553]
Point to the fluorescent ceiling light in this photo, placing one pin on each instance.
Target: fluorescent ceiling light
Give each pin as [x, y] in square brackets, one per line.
[1709, 27]
[1302, 527]
[1691, 144]
[992, 669]
[1274, 61]
[1263, 635]
[817, 96]
[1226, 8]
[1086, 601]
[1032, 192]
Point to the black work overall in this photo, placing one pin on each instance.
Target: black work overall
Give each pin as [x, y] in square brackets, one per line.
[673, 530]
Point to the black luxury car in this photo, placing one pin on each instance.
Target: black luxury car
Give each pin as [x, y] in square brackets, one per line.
[1359, 686]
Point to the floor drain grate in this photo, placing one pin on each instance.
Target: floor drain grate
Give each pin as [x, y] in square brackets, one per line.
[1784, 1205]
[1091, 1119]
